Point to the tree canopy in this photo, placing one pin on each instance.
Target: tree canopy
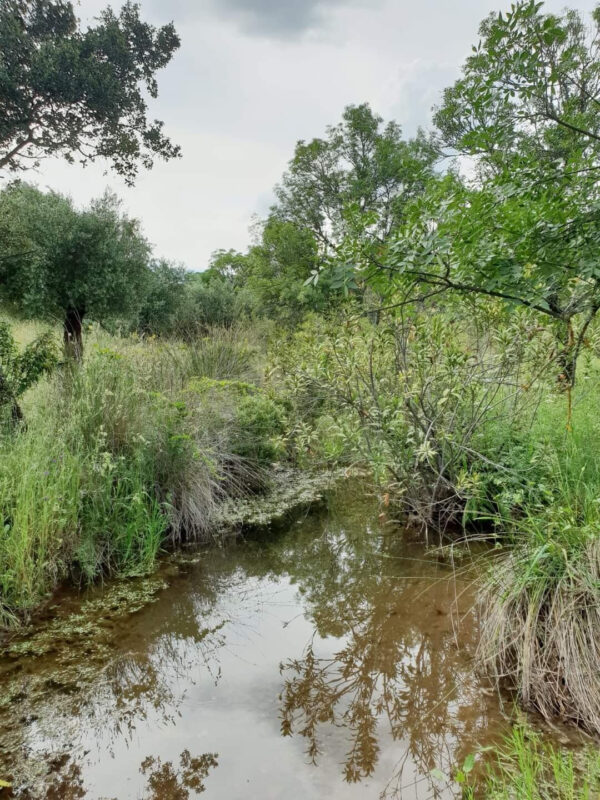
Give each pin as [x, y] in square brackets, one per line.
[80, 94]
[350, 189]
[526, 226]
[69, 264]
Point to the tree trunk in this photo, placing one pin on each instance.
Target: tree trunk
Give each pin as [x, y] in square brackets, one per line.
[72, 332]
[16, 414]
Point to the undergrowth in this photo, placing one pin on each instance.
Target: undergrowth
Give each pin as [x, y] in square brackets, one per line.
[131, 451]
[525, 767]
[541, 598]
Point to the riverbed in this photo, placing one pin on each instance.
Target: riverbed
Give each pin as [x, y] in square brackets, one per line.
[329, 657]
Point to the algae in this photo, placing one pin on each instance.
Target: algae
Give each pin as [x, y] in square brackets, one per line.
[289, 490]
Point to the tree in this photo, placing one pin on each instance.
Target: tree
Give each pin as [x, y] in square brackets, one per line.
[70, 264]
[217, 296]
[526, 227]
[80, 94]
[277, 269]
[20, 370]
[350, 189]
[164, 298]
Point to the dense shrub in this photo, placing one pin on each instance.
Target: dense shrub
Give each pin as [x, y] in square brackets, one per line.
[416, 401]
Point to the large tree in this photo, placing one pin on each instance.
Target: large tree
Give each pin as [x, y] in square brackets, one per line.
[350, 189]
[80, 94]
[69, 264]
[525, 227]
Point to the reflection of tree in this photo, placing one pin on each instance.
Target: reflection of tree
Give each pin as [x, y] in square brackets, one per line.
[121, 680]
[165, 782]
[66, 785]
[398, 669]
[400, 664]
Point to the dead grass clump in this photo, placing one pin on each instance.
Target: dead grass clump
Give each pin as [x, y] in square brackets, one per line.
[541, 628]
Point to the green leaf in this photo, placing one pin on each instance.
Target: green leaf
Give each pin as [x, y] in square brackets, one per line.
[469, 763]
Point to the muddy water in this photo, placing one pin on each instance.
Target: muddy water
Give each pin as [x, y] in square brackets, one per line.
[331, 659]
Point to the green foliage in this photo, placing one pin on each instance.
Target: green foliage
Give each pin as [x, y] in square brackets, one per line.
[277, 269]
[525, 767]
[337, 205]
[163, 299]
[214, 300]
[525, 228]
[354, 183]
[541, 597]
[55, 259]
[254, 418]
[413, 400]
[260, 422]
[80, 94]
[21, 370]
[123, 455]
[223, 354]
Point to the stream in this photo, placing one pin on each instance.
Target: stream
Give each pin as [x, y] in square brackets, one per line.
[331, 657]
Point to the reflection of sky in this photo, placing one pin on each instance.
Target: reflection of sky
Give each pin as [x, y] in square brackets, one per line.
[253, 77]
[200, 670]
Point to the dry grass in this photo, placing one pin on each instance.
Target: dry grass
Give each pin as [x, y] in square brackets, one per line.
[541, 629]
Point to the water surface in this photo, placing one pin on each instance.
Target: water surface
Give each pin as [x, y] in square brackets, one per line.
[330, 659]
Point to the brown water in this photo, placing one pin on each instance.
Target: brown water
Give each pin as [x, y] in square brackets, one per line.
[329, 660]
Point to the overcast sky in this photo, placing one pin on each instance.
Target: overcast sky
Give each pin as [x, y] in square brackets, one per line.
[254, 76]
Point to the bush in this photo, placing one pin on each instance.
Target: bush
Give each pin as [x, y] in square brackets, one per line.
[413, 399]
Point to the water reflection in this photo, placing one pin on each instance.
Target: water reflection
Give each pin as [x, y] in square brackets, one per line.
[375, 676]
[403, 670]
[389, 671]
[166, 782]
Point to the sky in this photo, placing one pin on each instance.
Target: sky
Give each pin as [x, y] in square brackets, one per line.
[251, 78]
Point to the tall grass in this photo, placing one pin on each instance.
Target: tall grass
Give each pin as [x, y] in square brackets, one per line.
[124, 454]
[541, 602]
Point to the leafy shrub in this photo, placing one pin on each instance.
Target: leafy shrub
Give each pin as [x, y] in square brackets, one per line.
[20, 370]
[260, 422]
[412, 398]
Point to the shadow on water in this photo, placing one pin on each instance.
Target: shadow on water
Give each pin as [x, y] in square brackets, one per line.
[337, 632]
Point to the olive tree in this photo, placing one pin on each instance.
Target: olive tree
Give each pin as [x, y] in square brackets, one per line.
[68, 264]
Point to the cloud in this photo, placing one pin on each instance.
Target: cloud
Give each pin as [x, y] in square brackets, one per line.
[273, 19]
[278, 18]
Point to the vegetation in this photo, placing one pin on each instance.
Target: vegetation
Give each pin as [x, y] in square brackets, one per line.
[21, 370]
[525, 767]
[67, 264]
[80, 94]
[129, 452]
[432, 322]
